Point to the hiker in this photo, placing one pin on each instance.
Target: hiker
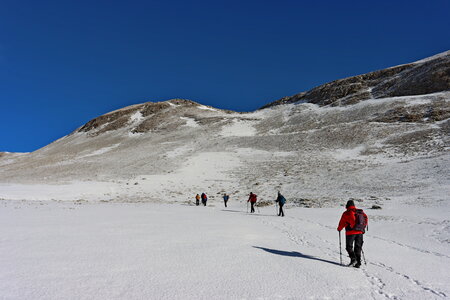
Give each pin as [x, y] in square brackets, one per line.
[281, 201]
[225, 199]
[204, 199]
[354, 221]
[252, 199]
[197, 199]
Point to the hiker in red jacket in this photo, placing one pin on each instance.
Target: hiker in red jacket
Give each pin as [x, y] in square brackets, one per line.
[252, 199]
[204, 199]
[354, 221]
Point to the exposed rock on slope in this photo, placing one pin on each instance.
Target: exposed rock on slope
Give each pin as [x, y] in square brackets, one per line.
[423, 77]
[149, 116]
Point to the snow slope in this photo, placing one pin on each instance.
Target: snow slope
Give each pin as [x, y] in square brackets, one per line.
[64, 250]
[324, 154]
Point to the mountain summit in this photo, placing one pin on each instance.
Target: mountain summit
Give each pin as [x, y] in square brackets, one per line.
[150, 116]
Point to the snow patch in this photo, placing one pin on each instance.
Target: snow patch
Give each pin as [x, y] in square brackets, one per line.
[207, 108]
[204, 172]
[348, 154]
[135, 134]
[101, 151]
[283, 154]
[245, 152]
[239, 128]
[178, 151]
[136, 117]
[190, 122]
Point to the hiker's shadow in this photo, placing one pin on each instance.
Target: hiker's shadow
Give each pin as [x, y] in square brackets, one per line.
[296, 254]
[234, 211]
[247, 213]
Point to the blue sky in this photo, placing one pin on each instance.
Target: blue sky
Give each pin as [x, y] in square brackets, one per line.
[63, 63]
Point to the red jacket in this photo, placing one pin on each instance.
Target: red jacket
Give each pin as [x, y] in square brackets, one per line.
[348, 221]
[252, 198]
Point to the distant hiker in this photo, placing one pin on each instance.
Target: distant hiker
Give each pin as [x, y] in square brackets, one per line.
[204, 199]
[252, 199]
[197, 199]
[354, 221]
[225, 199]
[281, 201]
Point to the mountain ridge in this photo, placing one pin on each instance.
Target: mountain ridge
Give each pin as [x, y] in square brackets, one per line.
[429, 75]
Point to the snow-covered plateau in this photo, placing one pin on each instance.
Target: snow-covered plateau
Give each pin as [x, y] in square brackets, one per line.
[107, 211]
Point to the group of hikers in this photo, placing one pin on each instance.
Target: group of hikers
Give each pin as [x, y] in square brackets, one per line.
[280, 201]
[353, 220]
[203, 197]
[252, 199]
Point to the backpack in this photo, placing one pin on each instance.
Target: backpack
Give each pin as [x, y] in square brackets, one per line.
[361, 221]
[282, 200]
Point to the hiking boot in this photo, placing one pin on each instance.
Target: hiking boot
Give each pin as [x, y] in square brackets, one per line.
[357, 265]
[352, 263]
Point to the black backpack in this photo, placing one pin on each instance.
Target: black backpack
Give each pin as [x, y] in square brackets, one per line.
[361, 221]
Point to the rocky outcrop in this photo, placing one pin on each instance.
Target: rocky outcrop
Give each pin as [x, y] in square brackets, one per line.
[424, 77]
[423, 113]
[153, 113]
[110, 121]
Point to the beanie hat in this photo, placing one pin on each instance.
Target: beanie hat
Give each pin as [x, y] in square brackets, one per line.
[349, 203]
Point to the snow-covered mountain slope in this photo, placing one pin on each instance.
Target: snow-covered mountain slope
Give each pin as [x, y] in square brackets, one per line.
[317, 154]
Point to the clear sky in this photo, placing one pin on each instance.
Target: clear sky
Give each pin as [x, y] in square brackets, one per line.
[63, 63]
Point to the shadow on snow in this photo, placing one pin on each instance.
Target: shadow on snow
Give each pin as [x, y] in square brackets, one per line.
[296, 254]
[236, 211]
[248, 213]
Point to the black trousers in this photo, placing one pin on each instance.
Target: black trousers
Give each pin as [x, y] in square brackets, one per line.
[252, 210]
[225, 201]
[281, 213]
[354, 252]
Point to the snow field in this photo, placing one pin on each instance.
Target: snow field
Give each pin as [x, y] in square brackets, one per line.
[62, 250]
[204, 172]
[239, 128]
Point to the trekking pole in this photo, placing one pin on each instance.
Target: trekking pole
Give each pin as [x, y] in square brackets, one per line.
[276, 207]
[247, 206]
[257, 208]
[340, 248]
[364, 257]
